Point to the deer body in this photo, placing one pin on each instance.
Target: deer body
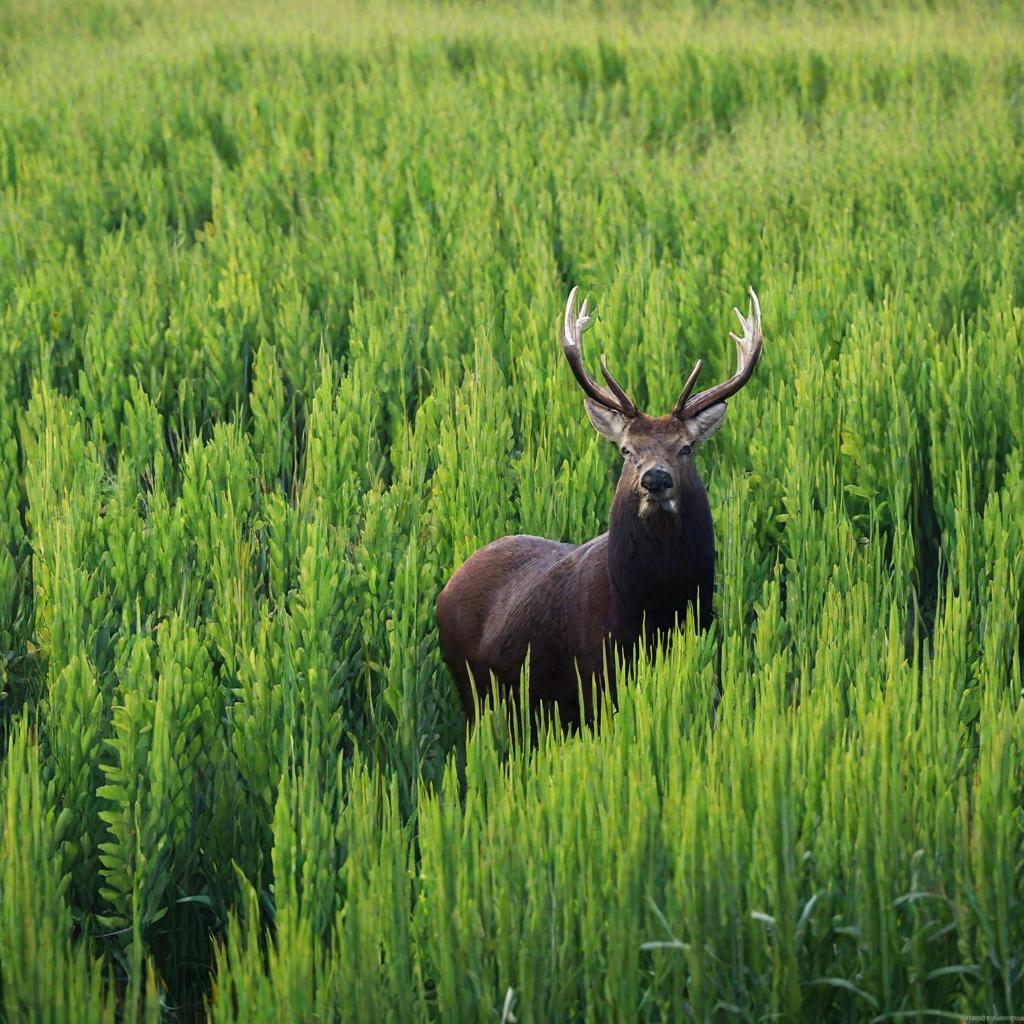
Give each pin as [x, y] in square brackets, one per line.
[570, 604]
[572, 608]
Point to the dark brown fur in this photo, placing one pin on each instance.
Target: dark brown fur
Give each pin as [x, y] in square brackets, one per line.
[565, 602]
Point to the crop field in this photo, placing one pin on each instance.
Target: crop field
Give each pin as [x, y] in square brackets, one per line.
[280, 295]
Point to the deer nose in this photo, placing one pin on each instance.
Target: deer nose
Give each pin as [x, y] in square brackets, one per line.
[656, 481]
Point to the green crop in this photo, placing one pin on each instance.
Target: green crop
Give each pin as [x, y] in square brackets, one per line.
[280, 288]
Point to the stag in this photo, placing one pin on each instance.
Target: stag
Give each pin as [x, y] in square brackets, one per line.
[570, 608]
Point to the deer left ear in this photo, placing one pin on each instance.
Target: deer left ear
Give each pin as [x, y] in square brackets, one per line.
[702, 427]
[608, 423]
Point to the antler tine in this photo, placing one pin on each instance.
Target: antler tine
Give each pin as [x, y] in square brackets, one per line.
[687, 388]
[575, 325]
[748, 352]
[624, 400]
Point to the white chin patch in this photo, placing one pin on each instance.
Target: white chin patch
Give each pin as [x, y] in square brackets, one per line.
[651, 506]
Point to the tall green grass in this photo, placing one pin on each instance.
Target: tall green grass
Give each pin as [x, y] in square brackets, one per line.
[279, 289]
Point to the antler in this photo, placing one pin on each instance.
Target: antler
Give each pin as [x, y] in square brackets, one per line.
[575, 324]
[748, 352]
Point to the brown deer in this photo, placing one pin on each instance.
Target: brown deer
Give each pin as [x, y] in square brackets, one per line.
[568, 607]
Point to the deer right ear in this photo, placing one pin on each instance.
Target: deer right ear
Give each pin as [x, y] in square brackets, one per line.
[608, 423]
[701, 427]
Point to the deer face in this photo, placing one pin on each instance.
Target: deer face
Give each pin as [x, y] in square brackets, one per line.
[657, 453]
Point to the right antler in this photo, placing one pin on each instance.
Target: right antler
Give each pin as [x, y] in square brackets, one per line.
[575, 324]
[748, 352]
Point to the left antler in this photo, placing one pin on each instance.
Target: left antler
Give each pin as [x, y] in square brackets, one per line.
[575, 324]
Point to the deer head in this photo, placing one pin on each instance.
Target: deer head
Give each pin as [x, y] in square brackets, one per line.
[657, 451]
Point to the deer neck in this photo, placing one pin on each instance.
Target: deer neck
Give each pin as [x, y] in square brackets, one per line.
[660, 565]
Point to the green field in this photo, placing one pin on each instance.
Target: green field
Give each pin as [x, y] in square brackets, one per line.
[280, 291]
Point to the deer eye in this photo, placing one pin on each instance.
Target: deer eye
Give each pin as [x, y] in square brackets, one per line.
[625, 451]
[686, 449]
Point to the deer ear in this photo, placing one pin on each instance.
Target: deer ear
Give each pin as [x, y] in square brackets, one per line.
[608, 423]
[703, 426]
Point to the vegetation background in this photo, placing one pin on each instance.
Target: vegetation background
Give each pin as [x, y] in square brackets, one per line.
[279, 294]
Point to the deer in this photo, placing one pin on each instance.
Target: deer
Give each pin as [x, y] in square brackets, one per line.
[569, 609]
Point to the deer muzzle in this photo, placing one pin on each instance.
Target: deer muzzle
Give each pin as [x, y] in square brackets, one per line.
[656, 482]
